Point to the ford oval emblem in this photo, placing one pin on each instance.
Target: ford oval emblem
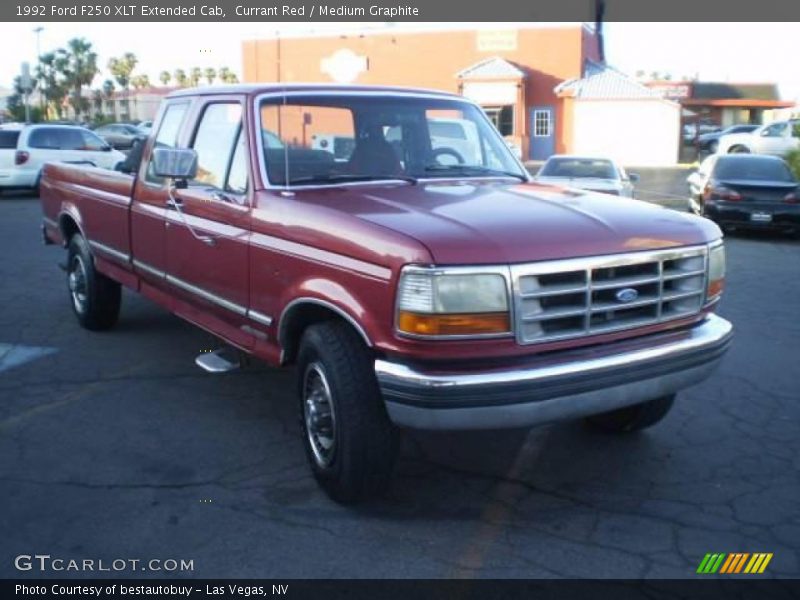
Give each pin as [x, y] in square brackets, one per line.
[626, 295]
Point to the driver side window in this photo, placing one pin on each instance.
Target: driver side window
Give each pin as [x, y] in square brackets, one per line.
[775, 130]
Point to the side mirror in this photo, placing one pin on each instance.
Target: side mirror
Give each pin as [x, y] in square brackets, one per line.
[175, 163]
[106, 148]
[634, 177]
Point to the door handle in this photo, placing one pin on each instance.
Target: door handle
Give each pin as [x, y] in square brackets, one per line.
[174, 202]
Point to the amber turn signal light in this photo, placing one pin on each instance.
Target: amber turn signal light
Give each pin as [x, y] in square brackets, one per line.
[453, 324]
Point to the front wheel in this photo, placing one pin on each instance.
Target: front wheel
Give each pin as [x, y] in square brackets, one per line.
[739, 149]
[632, 418]
[350, 442]
[95, 298]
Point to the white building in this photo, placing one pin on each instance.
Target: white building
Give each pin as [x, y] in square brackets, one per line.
[614, 116]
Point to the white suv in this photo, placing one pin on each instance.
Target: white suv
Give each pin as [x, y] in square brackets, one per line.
[776, 138]
[24, 152]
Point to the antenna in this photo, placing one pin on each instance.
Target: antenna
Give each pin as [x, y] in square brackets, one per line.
[280, 119]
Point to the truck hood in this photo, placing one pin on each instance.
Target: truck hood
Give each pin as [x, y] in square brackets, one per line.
[488, 222]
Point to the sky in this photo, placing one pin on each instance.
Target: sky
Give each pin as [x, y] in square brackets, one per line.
[735, 52]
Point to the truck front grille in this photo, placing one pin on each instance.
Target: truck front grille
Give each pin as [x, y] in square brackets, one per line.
[571, 298]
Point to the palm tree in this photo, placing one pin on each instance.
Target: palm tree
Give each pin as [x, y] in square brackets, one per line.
[180, 77]
[210, 74]
[139, 82]
[194, 75]
[53, 90]
[164, 77]
[97, 103]
[121, 68]
[78, 65]
[227, 76]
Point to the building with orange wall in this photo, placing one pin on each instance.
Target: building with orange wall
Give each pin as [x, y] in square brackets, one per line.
[512, 73]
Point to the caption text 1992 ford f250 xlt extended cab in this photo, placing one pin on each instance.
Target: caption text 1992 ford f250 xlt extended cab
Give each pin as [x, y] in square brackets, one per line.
[412, 281]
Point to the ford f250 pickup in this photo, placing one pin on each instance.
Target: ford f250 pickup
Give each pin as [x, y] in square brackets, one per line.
[410, 283]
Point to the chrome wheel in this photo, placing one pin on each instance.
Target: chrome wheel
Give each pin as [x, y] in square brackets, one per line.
[319, 414]
[77, 282]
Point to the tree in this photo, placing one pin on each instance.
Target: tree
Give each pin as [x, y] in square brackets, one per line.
[139, 82]
[210, 75]
[121, 68]
[164, 77]
[180, 77]
[15, 103]
[97, 102]
[78, 65]
[227, 76]
[194, 75]
[48, 75]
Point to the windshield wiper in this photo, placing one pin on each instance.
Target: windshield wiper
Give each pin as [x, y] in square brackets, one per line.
[345, 177]
[464, 169]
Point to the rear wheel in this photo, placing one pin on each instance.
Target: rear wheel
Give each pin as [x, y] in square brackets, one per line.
[632, 418]
[95, 298]
[350, 442]
[739, 149]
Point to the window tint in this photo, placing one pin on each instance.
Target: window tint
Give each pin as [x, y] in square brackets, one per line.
[214, 141]
[8, 139]
[65, 138]
[237, 177]
[752, 167]
[168, 131]
[45, 137]
[90, 141]
[775, 130]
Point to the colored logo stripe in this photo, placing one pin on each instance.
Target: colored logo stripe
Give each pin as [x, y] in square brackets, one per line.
[710, 563]
[734, 562]
[758, 563]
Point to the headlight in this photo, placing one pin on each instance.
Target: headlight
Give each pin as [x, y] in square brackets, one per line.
[716, 272]
[438, 303]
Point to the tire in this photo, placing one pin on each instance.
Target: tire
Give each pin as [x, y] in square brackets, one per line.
[632, 418]
[350, 442]
[95, 299]
[739, 149]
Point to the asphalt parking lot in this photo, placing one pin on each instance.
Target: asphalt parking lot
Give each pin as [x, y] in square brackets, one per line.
[115, 445]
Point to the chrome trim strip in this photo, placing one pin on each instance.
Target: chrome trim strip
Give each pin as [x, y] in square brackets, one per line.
[555, 386]
[259, 317]
[50, 222]
[326, 304]
[123, 256]
[334, 259]
[206, 295]
[148, 269]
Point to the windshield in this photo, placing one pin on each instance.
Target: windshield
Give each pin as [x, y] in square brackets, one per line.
[339, 138]
[579, 167]
[752, 167]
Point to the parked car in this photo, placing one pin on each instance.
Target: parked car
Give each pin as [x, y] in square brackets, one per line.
[22, 159]
[694, 130]
[119, 135]
[409, 292]
[778, 138]
[587, 173]
[747, 191]
[145, 127]
[708, 142]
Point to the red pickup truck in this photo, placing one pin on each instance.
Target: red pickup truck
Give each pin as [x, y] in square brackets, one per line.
[414, 280]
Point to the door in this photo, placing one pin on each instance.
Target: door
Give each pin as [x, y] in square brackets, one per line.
[774, 139]
[148, 212]
[542, 132]
[208, 225]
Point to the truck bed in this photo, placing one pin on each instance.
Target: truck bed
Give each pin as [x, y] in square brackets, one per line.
[96, 200]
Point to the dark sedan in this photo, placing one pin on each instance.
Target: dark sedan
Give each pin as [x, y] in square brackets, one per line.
[708, 142]
[752, 191]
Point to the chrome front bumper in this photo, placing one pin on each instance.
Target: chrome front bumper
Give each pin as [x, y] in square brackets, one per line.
[558, 385]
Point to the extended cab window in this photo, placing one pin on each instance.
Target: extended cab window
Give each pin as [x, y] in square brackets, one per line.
[215, 140]
[168, 130]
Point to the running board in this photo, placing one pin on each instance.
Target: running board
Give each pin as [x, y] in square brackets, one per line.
[222, 360]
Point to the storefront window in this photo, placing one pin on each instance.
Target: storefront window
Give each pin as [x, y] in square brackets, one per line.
[502, 117]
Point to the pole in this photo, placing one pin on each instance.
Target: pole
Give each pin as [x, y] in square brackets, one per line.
[38, 32]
